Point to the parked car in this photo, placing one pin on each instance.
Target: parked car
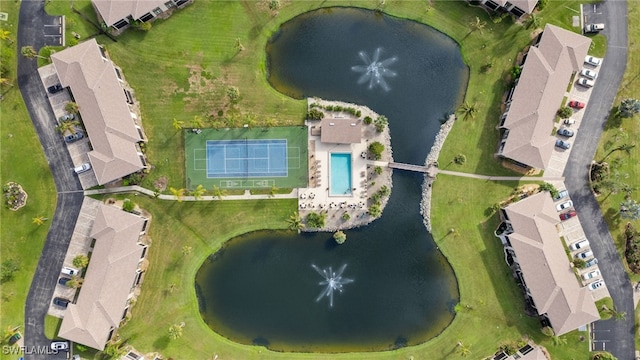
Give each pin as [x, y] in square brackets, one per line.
[565, 132]
[568, 215]
[592, 28]
[67, 117]
[586, 82]
[591, 274]
[54, 88]
[579, 245]
[576, 104]
[82, 168]
[564, 205]
[59, 345]
[63, 280]
[591, 262]
[569, 121]
[561, 194]
[589, 74]
[591, 60]
[585, 254]
[73, 137]
[563, 144]
[63, 303]
[14, 338]
[69, 271]
[596, 284]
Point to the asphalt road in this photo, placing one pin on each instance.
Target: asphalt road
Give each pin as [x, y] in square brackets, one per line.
[31, 31]
[610, 335]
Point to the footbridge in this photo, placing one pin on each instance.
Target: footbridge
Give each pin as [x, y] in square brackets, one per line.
[409, 167]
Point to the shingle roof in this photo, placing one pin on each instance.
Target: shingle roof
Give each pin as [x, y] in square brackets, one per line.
[545, 266]
[538, 96]
[341, 131]
[526, 5]
[104, 110]
[108, 279]
[113, 11]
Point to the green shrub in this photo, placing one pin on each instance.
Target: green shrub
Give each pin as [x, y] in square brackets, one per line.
[368, 120]
[128, 205]
[376, 149]
[340, 237]
[346, 216]
[565, 112]
[315, 114]
[316, 220]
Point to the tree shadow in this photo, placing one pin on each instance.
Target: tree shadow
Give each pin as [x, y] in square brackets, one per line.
[161, 343]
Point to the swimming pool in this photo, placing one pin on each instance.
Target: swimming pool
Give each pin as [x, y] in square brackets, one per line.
[340, 174]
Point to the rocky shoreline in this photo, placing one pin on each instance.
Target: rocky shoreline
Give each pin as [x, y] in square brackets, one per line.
[432, 164]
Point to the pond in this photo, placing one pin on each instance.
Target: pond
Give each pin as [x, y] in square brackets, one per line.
[292, 292]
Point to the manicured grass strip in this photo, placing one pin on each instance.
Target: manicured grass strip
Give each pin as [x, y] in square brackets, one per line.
[51, 326]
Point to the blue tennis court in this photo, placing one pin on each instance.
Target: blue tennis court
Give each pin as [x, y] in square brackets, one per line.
[246, 158]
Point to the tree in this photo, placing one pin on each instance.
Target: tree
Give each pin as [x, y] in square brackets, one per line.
[375, 210]
[340, 237]
[114, 349]
[6, 82]
[467, 110]
[565, 112]
[629, 107]
[178, 124]
[39, 220]
[622, 147]
[71, 107]
[219, 193]
[5, 35]
[316, 220]
[186, 250]
[534, 21]
[550, 188]
[68, 126]
[579, 263]
[615, 313]
[175, 331]
[199, 191]
[178, 193]
[197, 122]
[273, 191]
[462, 349]
[380, 123]
[239, 46]
[274, 5]
[376, 149]
[315, 114]
[630, 209]
[81, 261]
[128, 205]
[377, 170]
[295, 222]
[476, 25]
[460, 159]
[7, 269]
[29, 52]
[233, 93]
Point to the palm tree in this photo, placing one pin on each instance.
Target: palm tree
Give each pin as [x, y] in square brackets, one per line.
[462, 349]
[175, 331]
[239, 46]
[81, 261]
[219, 193]
[29, 52]
[622, 147]
[71, 107]
[6, 82]
[197, 122]
[177, 124]
[467, 110]
[295, 222]
[476, 25]
[114, 349]
[4, 35]
[534, 21]
[629, 107]
[68, 125]
[273, 191]
[199, 191]
[616, 314]
[186, 250]
[39, 220]
[178, 193]
[75, 282]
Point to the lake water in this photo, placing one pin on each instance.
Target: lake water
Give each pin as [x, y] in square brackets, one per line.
[261, 287]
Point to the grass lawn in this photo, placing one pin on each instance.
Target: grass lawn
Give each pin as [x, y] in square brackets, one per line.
[617, 131]
[23, 162]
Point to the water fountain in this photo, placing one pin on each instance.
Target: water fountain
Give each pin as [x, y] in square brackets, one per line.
[374, 71]
[333, 281]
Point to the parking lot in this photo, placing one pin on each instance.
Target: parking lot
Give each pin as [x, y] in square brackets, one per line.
[80, 245]
[53, 31]
[79, 149]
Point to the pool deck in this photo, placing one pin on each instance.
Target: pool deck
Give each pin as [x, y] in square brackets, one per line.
[365, 182]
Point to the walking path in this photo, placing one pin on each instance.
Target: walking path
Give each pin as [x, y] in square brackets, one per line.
[246, 196]
[500, 178]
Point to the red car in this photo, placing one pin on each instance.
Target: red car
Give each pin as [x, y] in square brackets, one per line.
[568, 215]
[576, 104]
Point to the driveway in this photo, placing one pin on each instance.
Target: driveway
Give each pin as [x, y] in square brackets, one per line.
[611, 335]
[30, 32]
